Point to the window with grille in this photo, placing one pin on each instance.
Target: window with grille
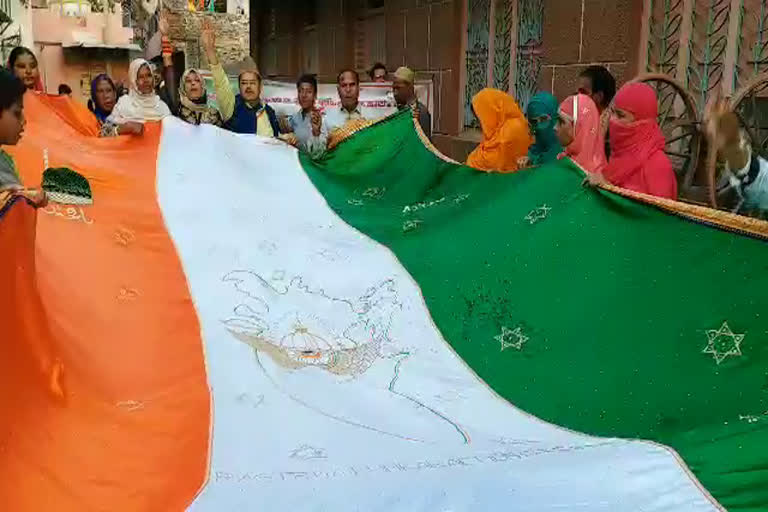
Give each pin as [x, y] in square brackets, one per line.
[309, 13]
[708, 46]
[220, 6]
[504, 39]
[268, 62]
[272, 22]
[268, 49]
[125, 7]
[310, 52]
[370, 40]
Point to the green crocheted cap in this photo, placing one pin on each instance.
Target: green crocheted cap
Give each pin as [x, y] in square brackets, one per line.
[63, 185]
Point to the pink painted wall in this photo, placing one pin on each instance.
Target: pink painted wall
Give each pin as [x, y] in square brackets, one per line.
[49, 26]
[77, 66]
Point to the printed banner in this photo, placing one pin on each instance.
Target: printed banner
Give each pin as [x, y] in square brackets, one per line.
[376, 99]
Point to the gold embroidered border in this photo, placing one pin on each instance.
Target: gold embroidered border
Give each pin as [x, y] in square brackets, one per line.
[5, 197]
[352, 127]
[349, 129]
[428, 143]
[720, 218]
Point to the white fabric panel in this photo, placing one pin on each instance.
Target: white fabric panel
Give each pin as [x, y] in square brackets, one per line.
[351, 400]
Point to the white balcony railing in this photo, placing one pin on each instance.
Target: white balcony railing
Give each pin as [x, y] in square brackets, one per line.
[70, 8]
[6, 15]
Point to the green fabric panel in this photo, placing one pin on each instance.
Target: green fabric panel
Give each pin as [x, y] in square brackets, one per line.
[616, 298]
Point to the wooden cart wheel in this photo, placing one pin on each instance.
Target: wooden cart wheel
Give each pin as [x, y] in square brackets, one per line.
[745, 103]
[679, 121]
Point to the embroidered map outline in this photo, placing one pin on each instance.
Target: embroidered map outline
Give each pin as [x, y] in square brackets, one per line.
[293, 341]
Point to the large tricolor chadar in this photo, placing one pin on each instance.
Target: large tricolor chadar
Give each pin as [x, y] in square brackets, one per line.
[233, 326]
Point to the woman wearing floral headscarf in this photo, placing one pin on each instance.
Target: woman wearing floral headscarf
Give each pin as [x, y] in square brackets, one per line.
[194, 107]
[505, 132]
[542, 116]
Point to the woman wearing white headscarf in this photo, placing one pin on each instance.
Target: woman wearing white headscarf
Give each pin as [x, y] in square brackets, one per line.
[141, 104]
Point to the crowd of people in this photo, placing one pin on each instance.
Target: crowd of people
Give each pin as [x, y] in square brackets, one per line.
[631, 157]
[613, 135]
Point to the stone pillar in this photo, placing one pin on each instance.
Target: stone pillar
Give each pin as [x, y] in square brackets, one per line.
[23, 17]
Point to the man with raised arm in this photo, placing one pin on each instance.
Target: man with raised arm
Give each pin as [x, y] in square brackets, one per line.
[244, 113]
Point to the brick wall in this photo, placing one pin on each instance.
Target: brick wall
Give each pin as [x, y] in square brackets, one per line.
[579, 33]
[232, 34]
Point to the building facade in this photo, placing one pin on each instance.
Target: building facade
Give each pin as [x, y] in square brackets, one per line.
[520, 46]
[73, 39]
[15, 26]
[74, 42]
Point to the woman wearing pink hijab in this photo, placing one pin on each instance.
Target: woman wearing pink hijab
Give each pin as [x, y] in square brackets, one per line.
[578, 129]
[638, 161]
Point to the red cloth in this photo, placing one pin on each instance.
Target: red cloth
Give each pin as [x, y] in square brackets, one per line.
[638, 161]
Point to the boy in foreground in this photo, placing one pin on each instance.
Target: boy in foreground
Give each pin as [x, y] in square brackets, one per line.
[11, 127]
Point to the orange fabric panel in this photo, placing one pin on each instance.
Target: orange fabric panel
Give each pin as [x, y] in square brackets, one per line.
[74, 114]
[132, 430]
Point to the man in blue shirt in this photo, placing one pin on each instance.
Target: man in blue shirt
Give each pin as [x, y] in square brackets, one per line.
[307, 124]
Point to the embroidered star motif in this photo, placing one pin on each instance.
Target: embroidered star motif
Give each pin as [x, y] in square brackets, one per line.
[511, 338]
[538, 214]
[723, 343]
[307, 452]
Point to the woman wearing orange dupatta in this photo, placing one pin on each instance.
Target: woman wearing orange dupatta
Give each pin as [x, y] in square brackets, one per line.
[505, 132]
[578, 128]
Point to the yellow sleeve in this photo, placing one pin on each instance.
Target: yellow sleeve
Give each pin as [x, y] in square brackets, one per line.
[224, 94]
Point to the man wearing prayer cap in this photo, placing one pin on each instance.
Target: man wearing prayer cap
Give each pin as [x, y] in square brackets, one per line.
[405, 96]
